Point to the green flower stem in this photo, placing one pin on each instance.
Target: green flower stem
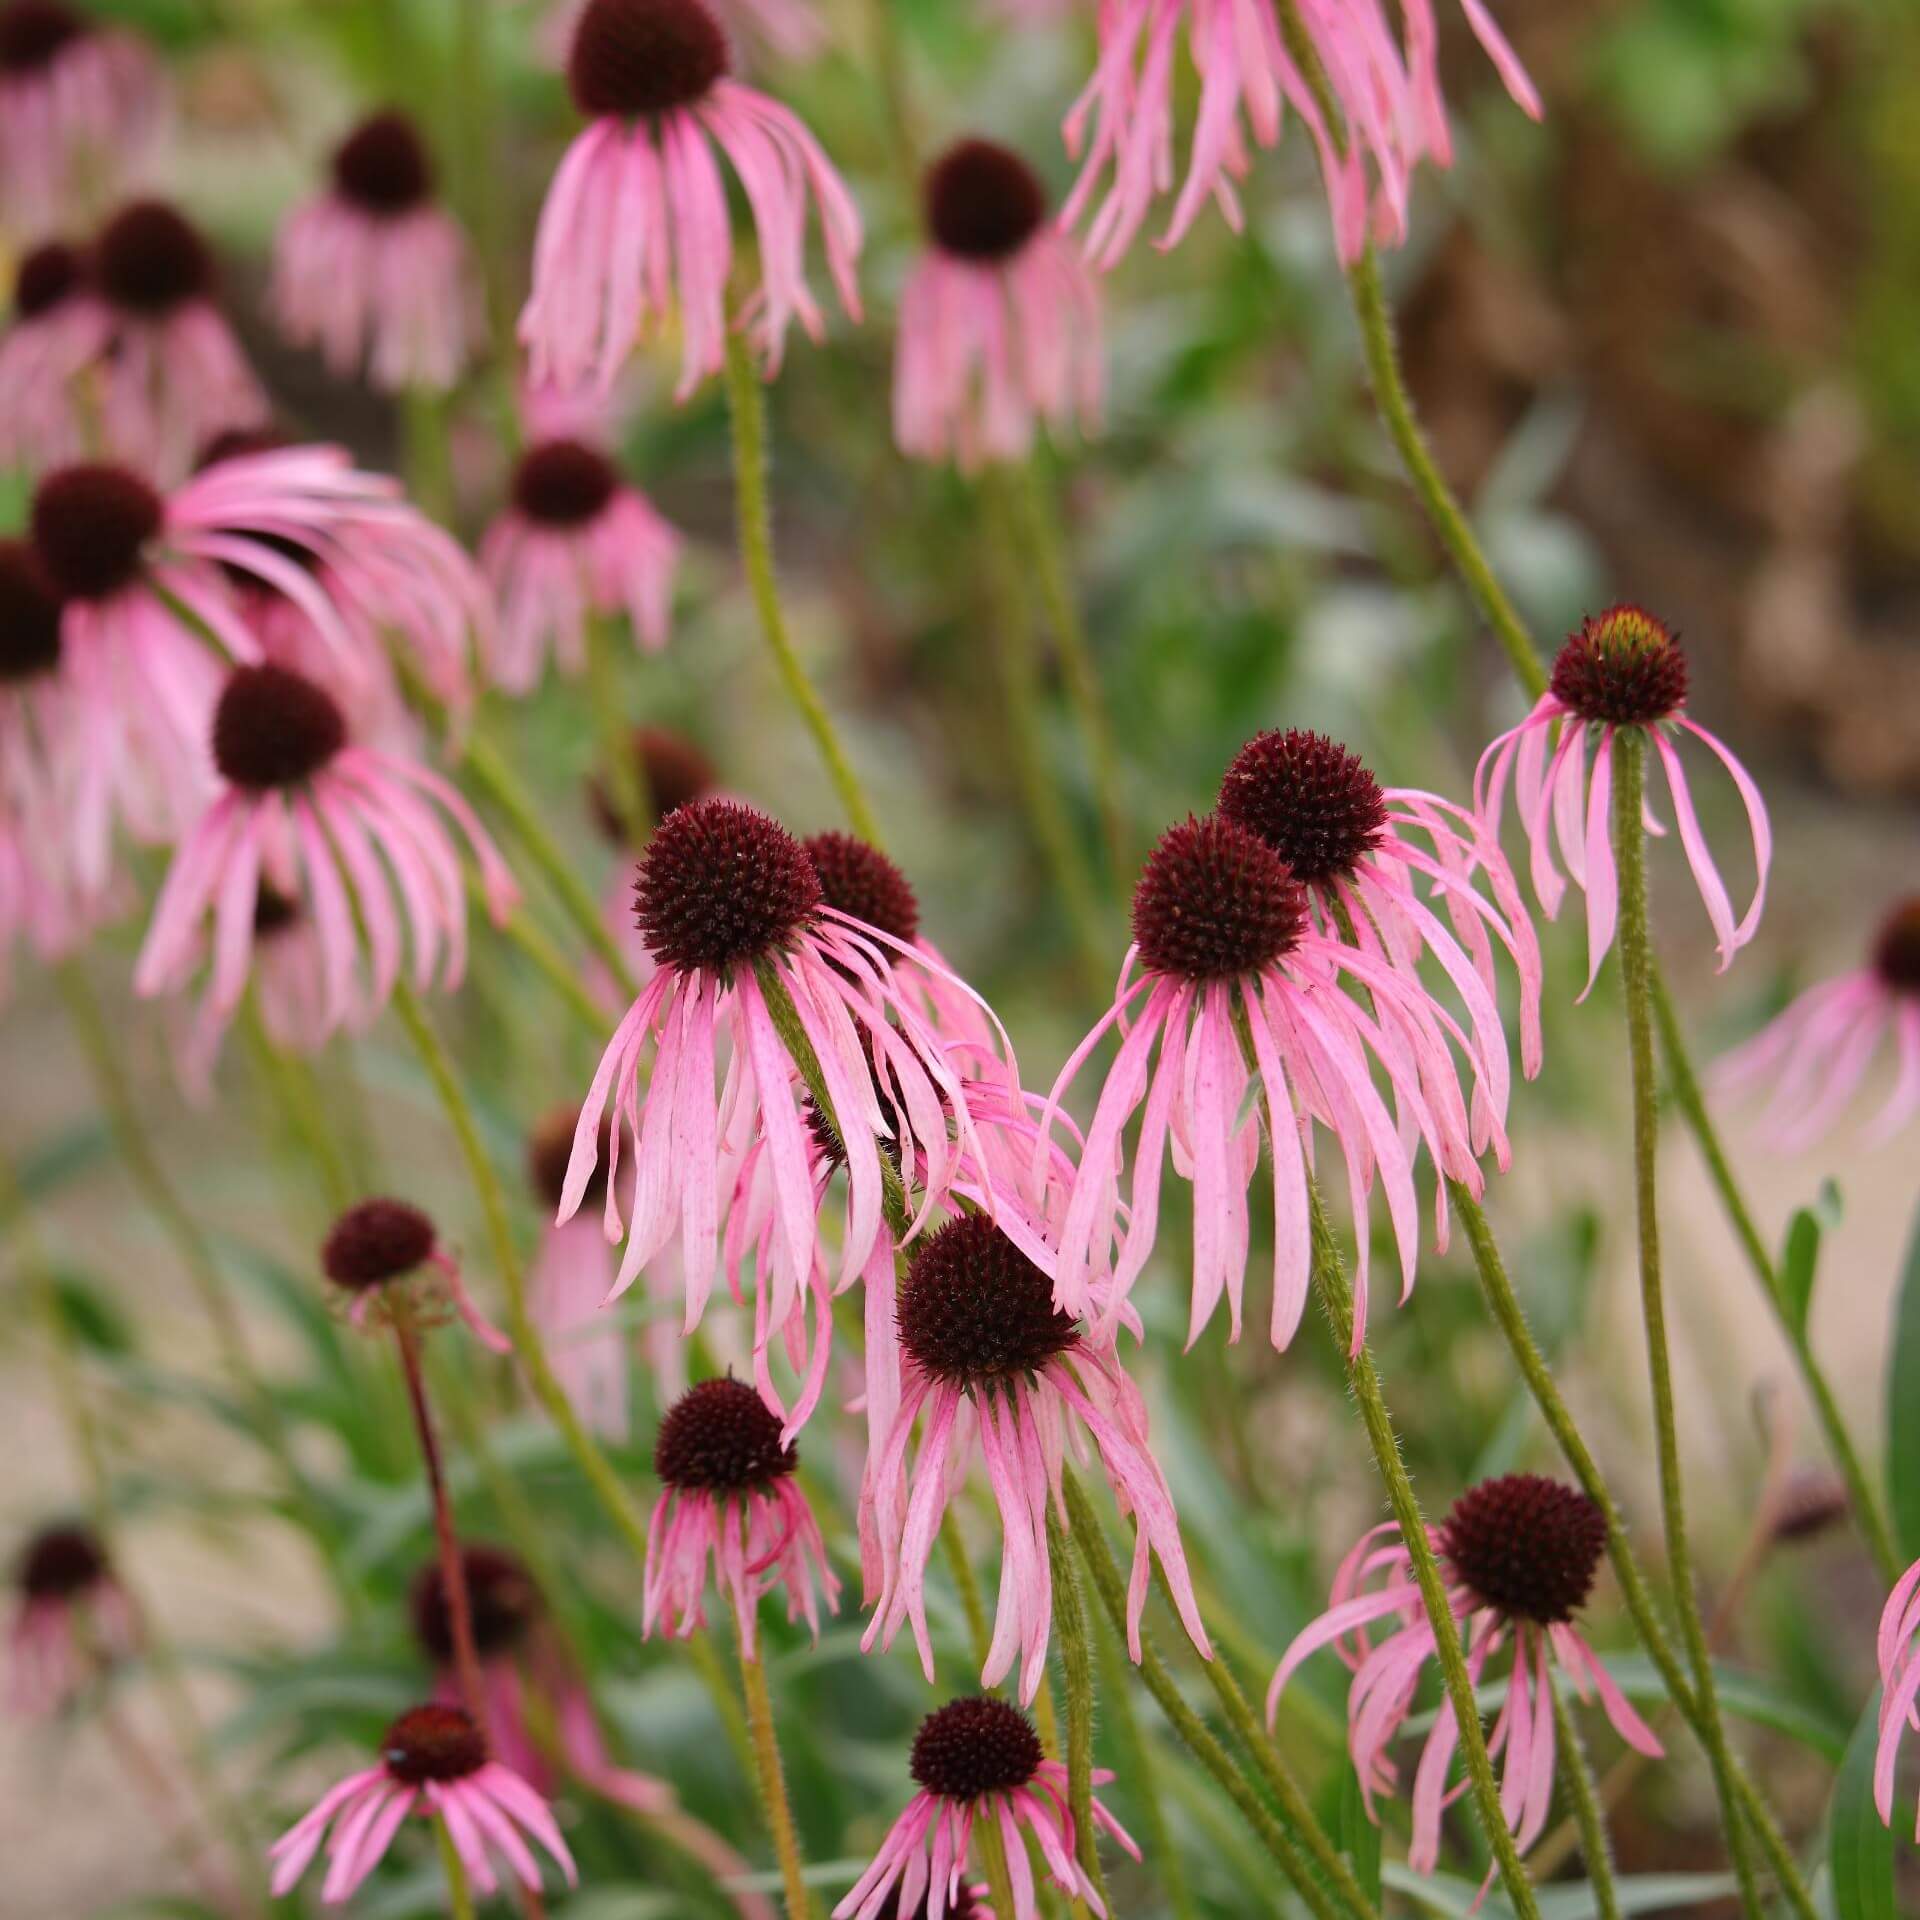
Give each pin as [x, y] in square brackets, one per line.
[502, 787]
[222, 1816]
[993, 1863]
[190, 1246]
[747, 411]
[1011, 631]
[292, 1089]
[553, 967]
[1336, 1300]
[890, 69]
[1636, 958]
[1504, 1305]
[1076, 1666]
[618, 766]
[1039, 526]
[1576, 1780]
[1685, 1083]
[773, 1785]
[1142, 1768]
[1091, 1544]
[459, 1894]
[955, 1547]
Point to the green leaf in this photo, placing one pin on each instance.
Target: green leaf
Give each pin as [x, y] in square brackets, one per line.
[1359, 1837]
[1800, 1257]
[1649, 1893]
[93, 1317]
[1859, 1844]
[1903, 1406]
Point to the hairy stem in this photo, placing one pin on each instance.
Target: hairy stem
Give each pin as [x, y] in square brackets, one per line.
[993, 1863]
[1636, 958]
[1576, 1779]
[772, 1783]
[1076, 1666]
[1195, 1735]
[1336, 1299]
[747, 412]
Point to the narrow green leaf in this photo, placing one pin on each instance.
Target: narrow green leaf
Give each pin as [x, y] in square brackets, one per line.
[1359, 1837]
[1648, 1893]
[1800, 1257]
[1859, 1845]
[1903, 1406]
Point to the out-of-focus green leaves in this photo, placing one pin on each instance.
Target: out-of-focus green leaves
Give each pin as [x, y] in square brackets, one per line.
[1359, 1837]
[1800, 1256]
[1903, 1404]
[1859, 1844]
[1650, 1893]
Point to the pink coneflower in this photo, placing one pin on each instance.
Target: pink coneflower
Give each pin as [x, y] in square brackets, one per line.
[672, 771]
[71, 1620]
[1226, 934]
[434, 1764]
[171, 374]
[978, 1760]
[53, 333]
[1899, 1656]
[636, 221]
[727, 1495]
[999, 321]
[1818, 1053]
[1363, 850]
[726, 897]
[1520, 1554]
[1389, 101]
[576, 542]
[540, 1717]
[383, 1245]
[983, 1347]
[1622, 669]
[792, 29]
[346, 831]
[376, 269]
[81, 106]
[572, 1275]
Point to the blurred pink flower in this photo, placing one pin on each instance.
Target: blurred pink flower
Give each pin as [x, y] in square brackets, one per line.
[978, 1760]
[82, 108]
[636, 224]
[1622, 669]
[1000, 320]
[342, 829]
[381, 1244]
[1520, 1554]
[576, 543]
[1226, 935]
[1389, 99]
[375, 269]
[1818, 1053]
[434, 1764]
[986, 1355]
[53, 333]
[790, 29]
[728, 1496]
[1898, 1652]
[71, 1620]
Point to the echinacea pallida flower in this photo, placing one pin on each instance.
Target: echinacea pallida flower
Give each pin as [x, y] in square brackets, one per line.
[1388, 96]
[71, 1618]
[999, 321]
[375, 269]
[1819, 1053]
[81, 106]
[52, 333]
[1622, 669]
[433, 1764]
[1519, 1554]
[381, 1246]
[987, 1359]
[978, 1760]
[577, 541]
[728, 1498]
[636, 222]
[354, 835]
[1233, 962]
[1897, 1649]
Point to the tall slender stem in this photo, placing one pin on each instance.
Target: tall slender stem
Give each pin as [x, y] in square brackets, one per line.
[459, 1894]
[1636, 967]
[1576, 1777]
[1336, 1299]
[618, 765]
[747, 411]
[772, 1782]
[1685, 1083]
[1091, 1544]
[961, 1568]
[453, 1569]
[1076, 1665]
[295, 1094]
[1742, 1797]
[993, 1863]
[1011, 631]
[1039, 522]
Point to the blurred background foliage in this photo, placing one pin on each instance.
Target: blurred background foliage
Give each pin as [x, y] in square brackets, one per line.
[1665, 344]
